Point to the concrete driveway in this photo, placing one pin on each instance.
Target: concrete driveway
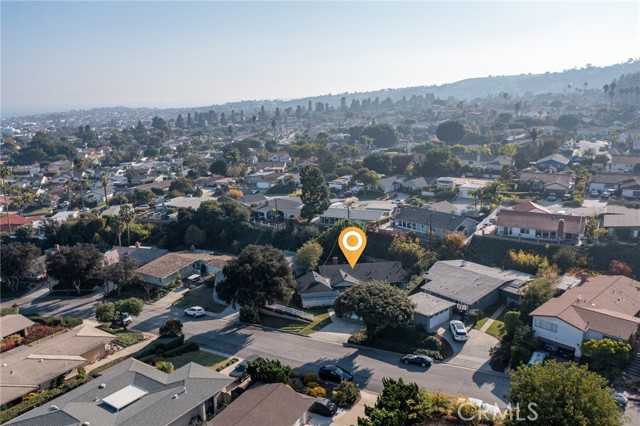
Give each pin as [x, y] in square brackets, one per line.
[474, 353]
[339, 330]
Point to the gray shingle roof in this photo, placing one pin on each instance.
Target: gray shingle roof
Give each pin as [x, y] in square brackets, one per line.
[621, 217]
[445, 221]
[469, 283]
[313, 282]
[428, 305]
[385, 271]
[159, 407]
[541, 221]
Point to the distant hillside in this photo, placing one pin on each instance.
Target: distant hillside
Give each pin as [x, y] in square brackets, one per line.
[514, 85]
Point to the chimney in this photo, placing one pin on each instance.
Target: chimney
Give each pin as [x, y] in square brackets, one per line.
[57, 247]
[463, 263]
[137, 244]
[561, 230]
[193, 248]
[334, 260]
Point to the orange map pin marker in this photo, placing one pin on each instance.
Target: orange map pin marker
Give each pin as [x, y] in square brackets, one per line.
[352, 242]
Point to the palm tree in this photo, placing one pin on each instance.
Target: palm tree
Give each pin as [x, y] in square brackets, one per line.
[117, 226]
[5, 172]
[104, 178]
[127, 214]
[534, 133]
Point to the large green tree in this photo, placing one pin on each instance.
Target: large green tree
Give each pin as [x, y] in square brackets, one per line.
[399, 404]
[308, 255]
[534, 295]
[122, 274]
[15, 261]
[259, 276]
[315, 192]
[450, 132]
[383, 135]
[117, 311]
[378, 304]
[76, 264]
[268, 371]
[411, 254]
[562, 394]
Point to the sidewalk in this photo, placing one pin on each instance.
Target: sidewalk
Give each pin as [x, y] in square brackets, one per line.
[493, 317]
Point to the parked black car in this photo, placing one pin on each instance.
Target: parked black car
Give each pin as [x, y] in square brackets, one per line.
[422, 360]
[333, 373]
[324, 407]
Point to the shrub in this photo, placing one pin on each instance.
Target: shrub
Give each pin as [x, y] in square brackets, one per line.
[57, 321]
[41, 332]
[310, 377]
[12, 310]
[128, 339]
[247, 315]
[345, 393]
[269, 371]
[510, 320]
[519, 355]
[313, 384]
[317, 392]
[165, 366]
[171, 328]
[433, 343]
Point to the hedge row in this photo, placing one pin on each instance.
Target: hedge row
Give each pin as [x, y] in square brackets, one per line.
[40, 398]
[57, 321]
[163, 344]
[163, 356]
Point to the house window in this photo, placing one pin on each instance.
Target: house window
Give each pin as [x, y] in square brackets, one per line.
[524, 231]
[546, 325]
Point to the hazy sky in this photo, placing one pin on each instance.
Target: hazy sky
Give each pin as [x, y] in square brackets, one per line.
[63, 55]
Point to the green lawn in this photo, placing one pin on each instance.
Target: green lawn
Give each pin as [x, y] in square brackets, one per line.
[496, 329]
[124, 338]
[320, 319]
[200, 296]
[486, 313]
[201, 357]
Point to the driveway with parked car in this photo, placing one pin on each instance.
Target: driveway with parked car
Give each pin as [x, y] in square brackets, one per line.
[472, 353]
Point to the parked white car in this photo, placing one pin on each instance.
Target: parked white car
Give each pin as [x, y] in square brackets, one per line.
[458, 330]
[194, 311]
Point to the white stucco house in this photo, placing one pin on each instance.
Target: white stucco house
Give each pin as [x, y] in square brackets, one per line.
[604, 306]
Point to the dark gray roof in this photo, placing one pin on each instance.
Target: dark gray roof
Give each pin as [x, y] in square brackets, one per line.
[313, 282]
[439, 220]
[428, 305]
[143, 255]
[615, 178]
[158, 407]
[384, 271]
[467, 282]
[554, 157]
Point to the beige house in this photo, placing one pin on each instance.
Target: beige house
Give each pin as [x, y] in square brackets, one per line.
[27, 369]
[180, 265]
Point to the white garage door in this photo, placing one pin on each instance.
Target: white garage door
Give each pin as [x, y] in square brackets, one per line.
[435, 321]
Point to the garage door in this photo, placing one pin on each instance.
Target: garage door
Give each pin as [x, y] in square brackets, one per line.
[439, 318]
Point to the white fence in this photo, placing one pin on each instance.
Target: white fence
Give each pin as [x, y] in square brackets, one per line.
[291, 312]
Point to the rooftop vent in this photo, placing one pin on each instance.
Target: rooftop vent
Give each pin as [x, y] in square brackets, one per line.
[4, 364]
[102, 386]
[54, 408]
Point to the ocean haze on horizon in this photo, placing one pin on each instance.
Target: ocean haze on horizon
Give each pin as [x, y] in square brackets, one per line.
[190, 54]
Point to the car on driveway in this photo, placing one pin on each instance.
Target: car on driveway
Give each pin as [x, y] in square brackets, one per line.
[241, 369]
[458, 330]
[594, 193]
[194, 311]
[422, 360]
[334, 373]
[324, 407]
[621, 398]
[606, 194]
[125, 320]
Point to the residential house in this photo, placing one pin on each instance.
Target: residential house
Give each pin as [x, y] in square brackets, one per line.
[443, 207]
[546, 227]
[30, 368]
[159, 186]
[604, 306]
[556, 161]
[61, 166]
[14, 220]
[133, 393]
[63, 216]
[465, 186]
[485, 162]
[98, 194]
[470, 285]
[37, 270]
[141, 254]
[621, 222]
[271, 166]
[14, 324]
[546, 183]
[30, 169]
[365, 212]
[263, 180]
[624, 163]
[420, 220]
[430, 311]
[322, 287]
[342, 183]
[387, 183]
[281, 208]
[627, 184]
[267, 404]
[165, 269]
[281, 157]
[413, 184]
[530, 206]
